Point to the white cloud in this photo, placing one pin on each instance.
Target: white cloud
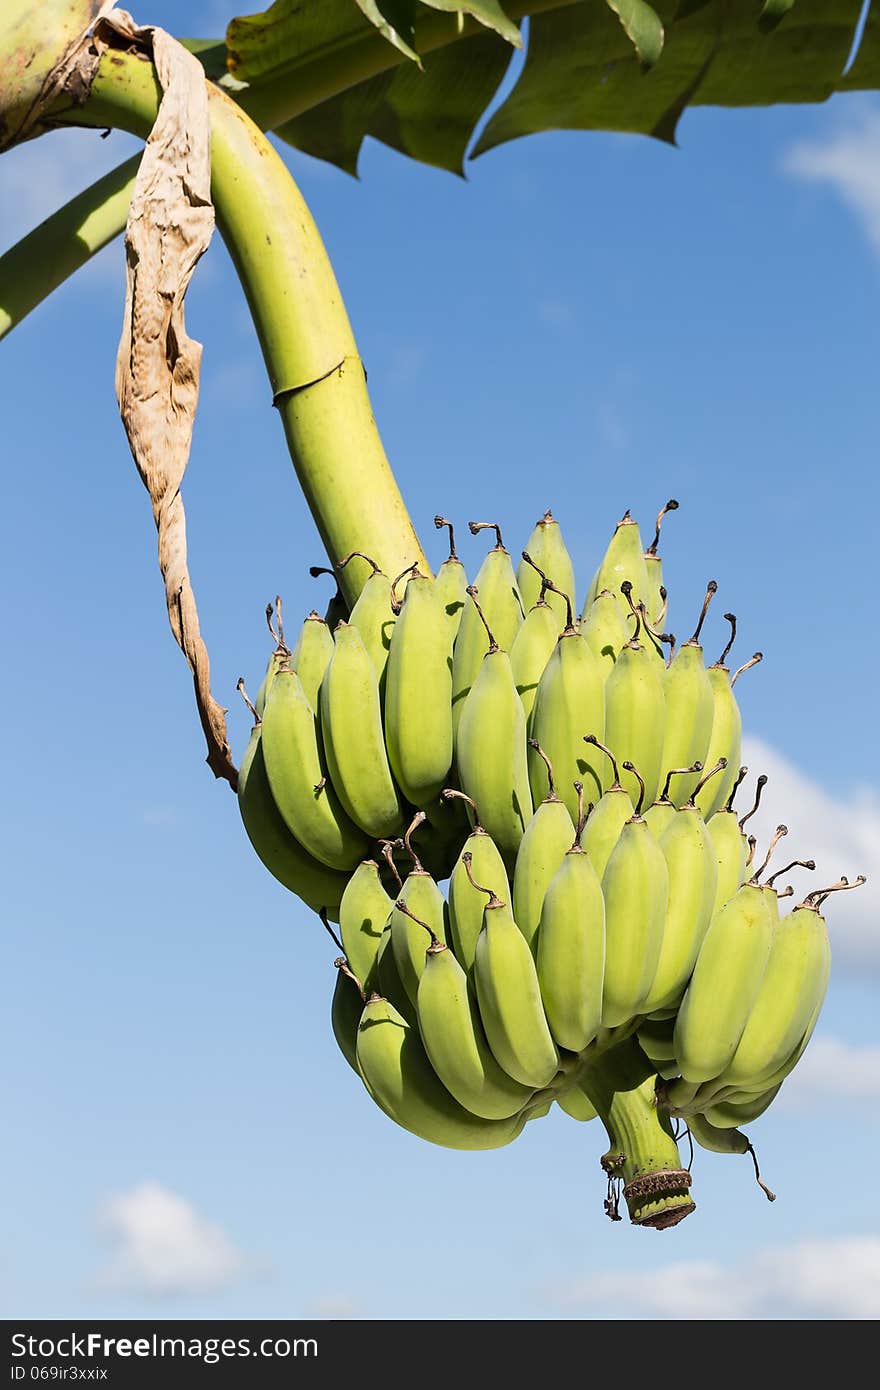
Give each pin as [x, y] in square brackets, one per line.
[163, 1247]
[812, 1279]
[832, 1072]
[849, 161]
[841, 834]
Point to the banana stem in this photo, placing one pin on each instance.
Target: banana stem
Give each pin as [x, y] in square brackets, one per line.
[642, 1153]
[318, 380]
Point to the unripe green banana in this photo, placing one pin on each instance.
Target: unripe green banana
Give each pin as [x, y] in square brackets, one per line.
[577, 1104]
[690, 709]
[345, 1014]
[726, 1141]
[693, 874]
[730, 846]
[724, 985]
[791, 993]
[311, 656]
[635, 713]
[363, 916]
[547, 549]
[532, 648]
[570, 700]
[608, 817]
[548, 837]
[351, 725]
[454, 1039]
[401, 1080]
[451, 583]
[729, 1114]
[624, 561]
[509, 997]
[418, 694]
[491, 750]
[373, 614]
[655, 1037]
[465, 901]
[635, 887]
[423, 902]
[605, 631]
[726, 737]
[501, 602]
[280, 852]
[571, 949]
[655, 595]
[298, 777]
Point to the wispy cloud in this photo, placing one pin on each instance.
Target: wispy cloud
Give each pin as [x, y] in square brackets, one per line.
[848, 160]
[842, 834]
[163, 1247]
[832, 1073]
[812, 1279]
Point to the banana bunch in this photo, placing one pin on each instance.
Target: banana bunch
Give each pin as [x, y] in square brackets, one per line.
[522, 821]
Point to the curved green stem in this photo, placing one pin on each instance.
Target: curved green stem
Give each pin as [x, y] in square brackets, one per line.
[642, 1152]
[48, 255]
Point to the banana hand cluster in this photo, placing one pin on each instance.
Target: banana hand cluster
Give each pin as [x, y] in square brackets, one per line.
[522, 821]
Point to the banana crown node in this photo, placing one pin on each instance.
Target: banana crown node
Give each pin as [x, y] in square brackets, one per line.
[671, 506]
[625, 520]
[475, 527]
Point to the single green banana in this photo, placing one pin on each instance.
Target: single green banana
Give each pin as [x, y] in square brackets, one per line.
[604, 630]
[571, 948]
[297, 774]
[577, 1104]
[374, 614]
[655, 1037]
[547, 839]
[570, 700]
[363, 916]
[532, 648]
[730, 846]
[491, 749]
[455, 1041]
[726, 1141]
[502, 604]
[345, 1014]
[635, 886]
[401, 1080]
[726, 737]
[418, 694]
[608, 817]
[655, 596]
[420, 901]
[465, 901]
[690, 708]
[451, 583]
[311, 655]
[351, 725]
[635, 712]
[282, 854]
[547, 549]
[692, 876]
[729, 1114]
[509, 997]
[724, 985]
[623, 562]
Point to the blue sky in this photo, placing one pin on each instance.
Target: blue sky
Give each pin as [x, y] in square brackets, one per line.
[589, 323]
